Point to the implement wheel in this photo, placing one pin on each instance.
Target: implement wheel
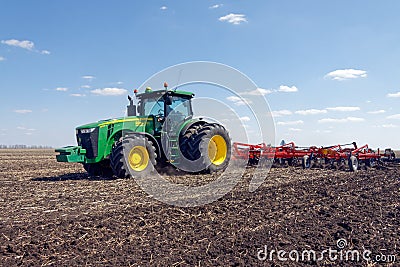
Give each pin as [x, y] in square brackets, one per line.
[353, 164]
[306, 162]
[370, 163]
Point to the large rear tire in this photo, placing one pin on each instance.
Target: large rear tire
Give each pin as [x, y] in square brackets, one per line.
[133, 155]
[208, 144]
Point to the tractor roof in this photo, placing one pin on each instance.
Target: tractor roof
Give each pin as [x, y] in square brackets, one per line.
[159, 93]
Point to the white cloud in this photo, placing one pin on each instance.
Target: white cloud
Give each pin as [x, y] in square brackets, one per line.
[295, 129]
[61, 89]
[282, 88]
[86, 86]
[395, 116]
[280, 113]
[22, 44]
[311, 111]
[78, 95]
[25, 129]
[355, 119]
[344, 109]
[88, 77]
[258, 91]
[235, 19]
[245, 118]
[389, 126]
[22, 111]
[2, 58]
[109, 91]
[163, 8]
[290, 122]
[343, 120]
[324, 131]
[287, 89]
[394, 95]
[376, 111]
[238, 101]
[216, 6]
[25, 44]
[341, 75]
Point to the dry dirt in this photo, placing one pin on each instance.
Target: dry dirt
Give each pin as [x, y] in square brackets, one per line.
[52, 214]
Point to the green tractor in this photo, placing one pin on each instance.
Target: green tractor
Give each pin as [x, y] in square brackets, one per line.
[159, 131]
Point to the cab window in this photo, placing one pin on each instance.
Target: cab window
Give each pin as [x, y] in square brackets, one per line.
[152, 107]
[180, 105]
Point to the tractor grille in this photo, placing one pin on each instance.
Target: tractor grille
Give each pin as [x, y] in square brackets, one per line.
[89, 141]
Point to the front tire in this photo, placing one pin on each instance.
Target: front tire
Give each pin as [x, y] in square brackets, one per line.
[133, 155]
[102, 169]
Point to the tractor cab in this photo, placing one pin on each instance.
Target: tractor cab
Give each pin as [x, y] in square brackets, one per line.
[164, 106]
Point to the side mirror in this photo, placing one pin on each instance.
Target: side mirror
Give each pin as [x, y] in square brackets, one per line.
[168, 100]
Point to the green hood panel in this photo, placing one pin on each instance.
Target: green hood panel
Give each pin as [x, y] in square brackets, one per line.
[87, 126]
[103, 123]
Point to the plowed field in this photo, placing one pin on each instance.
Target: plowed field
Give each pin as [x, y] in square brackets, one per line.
[52, 214]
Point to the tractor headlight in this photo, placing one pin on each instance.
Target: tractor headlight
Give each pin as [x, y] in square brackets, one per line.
[86, 131]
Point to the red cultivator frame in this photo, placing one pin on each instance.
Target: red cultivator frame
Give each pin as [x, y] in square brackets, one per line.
[337, 156]
[252, 154]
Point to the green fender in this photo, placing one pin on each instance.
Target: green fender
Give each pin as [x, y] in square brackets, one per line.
[189, 124]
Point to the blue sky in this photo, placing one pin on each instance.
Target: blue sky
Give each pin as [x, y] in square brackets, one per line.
[329, 70]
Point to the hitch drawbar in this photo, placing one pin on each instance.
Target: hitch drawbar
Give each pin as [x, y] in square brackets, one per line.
[71, 154]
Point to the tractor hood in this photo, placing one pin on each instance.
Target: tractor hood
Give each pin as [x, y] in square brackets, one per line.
[102, 122]
[89, 125]
[113, 121]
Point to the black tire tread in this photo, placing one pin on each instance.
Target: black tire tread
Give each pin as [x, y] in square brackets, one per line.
[191, 140]
[102, 169]
[117, 158]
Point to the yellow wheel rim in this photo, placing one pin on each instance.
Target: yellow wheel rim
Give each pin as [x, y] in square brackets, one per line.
[217, 150]
[138, 158]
